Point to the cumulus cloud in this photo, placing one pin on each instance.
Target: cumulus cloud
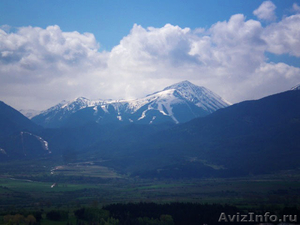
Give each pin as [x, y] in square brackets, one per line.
[284, 37]
[266, 11]
[33, 48]
[46, 63]
[228, 58]
[235, 40]
[40, 67]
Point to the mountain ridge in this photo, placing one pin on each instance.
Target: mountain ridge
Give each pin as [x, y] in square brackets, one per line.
[251, 137]
[177, 103]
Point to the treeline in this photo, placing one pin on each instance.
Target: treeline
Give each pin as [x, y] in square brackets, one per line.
[27, 218]
[144, 214]
[169, 214]
[189, 213]
[94, 215]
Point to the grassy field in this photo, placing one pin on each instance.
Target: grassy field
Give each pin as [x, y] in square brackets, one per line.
[28, 187]
[243, 192]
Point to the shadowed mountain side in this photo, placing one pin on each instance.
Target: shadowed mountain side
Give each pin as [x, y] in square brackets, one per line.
[12, 121]
[108, 137]
[18, 135]
[258, 136]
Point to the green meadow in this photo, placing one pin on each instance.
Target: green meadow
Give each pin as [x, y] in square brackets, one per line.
[43, 187]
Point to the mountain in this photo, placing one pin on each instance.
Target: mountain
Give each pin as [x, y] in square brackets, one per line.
[55, 116]
[178, 103]
[251, 137]
[12, 121]
[18, 135]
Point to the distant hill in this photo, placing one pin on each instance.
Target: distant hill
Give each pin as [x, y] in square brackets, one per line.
[18, 136]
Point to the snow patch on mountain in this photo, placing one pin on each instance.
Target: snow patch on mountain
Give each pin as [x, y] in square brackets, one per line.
[80, 103]
[296, 88]
[3, 151]
[43, 142]
[200, 96]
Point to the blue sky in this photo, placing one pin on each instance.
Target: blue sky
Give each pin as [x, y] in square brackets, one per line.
[63, 49]
[110, 21]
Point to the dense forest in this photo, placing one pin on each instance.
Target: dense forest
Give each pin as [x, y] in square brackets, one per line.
[149, 214]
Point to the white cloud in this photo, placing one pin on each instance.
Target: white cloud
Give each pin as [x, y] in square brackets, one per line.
[46, 64]
[284, 37]
[40, 67]
[296, 8]
[228, 58]
[169, 44]
[266, 11]
[238, 43]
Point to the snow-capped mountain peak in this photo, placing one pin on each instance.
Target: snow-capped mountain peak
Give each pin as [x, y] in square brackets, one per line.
[200, 96]
[177, 103]
[80, 103]
[56, 115]
[181, 85]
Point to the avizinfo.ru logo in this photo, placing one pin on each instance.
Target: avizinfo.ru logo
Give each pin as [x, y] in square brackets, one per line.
[252, 217]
